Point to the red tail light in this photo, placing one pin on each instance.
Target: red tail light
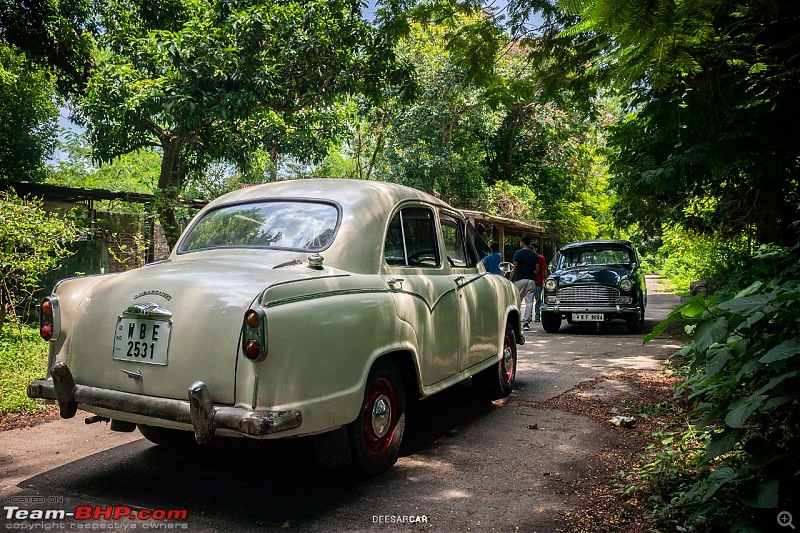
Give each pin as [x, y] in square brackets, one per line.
[254, 335]
[252, 350]
[49, 319]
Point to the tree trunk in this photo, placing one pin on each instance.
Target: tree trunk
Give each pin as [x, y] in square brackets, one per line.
[169, 185]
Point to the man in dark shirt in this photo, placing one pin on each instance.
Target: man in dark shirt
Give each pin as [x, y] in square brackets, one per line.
[526, 267]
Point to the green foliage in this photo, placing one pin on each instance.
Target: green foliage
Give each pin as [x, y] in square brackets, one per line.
[709, 101]
[27, 118]
[134, 172]
[55, 35]
[438, 142]
[32, 242]
[226, 81]
[23, 358]
[744, 370]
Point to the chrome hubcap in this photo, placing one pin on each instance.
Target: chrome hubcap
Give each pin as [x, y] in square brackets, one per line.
[381, 416]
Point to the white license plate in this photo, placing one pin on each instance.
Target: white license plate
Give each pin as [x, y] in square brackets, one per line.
[142, 341]
[587, 317]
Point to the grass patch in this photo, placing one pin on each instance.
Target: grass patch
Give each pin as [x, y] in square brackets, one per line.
[23, 358]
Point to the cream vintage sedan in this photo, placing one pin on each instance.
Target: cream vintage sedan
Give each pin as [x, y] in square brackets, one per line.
[303, 307]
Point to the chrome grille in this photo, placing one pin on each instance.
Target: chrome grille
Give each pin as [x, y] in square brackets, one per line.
[592, 294]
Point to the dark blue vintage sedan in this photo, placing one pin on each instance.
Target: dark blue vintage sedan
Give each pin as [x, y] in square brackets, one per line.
[595, 281]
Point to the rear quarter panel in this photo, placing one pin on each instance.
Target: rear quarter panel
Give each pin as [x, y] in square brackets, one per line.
[323, 337]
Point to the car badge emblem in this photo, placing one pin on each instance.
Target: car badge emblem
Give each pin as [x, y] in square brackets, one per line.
[148, 309]
[586, 276]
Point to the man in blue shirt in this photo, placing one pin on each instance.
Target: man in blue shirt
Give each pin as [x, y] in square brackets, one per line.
[492, 261]
[526, 266]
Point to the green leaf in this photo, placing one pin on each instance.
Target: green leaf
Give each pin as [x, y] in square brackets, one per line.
[717, 361]
[742, 409]
[782, 351]
[723, 442]
[717, 479]
[710, 332]
[776, 381]
[764, 496]
[747, 305]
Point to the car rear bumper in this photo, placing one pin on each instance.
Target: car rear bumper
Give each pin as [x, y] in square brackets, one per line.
[198, 410]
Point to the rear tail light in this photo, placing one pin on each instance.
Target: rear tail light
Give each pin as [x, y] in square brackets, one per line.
[49, 319]
[254, 335]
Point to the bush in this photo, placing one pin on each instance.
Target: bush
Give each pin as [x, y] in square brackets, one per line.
[744, 372]
[32, 242]
[23, 358]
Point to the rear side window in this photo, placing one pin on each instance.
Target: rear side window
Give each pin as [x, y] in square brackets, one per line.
[453, 235]
[411, 239]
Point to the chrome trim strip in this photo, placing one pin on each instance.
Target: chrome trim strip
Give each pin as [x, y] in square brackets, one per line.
[316, 295]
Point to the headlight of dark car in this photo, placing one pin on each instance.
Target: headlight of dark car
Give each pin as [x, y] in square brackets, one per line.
[550, 284]
[625, 285]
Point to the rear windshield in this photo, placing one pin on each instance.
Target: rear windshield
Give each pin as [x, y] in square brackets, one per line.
[575, 257]
[285, 225]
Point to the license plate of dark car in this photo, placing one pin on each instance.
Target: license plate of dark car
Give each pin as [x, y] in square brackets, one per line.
[587, 317]
[142, 341]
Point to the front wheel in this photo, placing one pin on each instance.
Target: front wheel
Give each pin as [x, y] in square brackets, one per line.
[551, 322]
[376, 434]
[636, 323]
[498, 380]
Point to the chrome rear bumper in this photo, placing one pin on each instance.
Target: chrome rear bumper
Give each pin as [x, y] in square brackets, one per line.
[198, 410]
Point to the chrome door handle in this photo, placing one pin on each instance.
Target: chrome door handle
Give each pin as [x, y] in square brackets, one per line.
[458, 279]
[394, 281]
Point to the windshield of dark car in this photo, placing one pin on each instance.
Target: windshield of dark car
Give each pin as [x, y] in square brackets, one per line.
[577, 257]
[287, 225]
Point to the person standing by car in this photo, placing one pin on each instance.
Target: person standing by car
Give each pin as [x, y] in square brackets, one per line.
[492, 261]
[539, 282]
[526, 265]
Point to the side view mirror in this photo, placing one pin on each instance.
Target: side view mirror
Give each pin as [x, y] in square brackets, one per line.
[551, 268]
[506, 267]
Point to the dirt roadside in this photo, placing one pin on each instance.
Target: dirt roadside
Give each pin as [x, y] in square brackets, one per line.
[544, 459]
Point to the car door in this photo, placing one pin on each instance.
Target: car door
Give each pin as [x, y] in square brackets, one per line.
[479, 311]
[424, 291]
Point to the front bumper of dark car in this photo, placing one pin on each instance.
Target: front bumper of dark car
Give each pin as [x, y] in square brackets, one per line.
[609, 311]
[198, 410]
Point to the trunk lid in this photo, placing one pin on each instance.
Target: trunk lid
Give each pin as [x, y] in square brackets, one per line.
[200, 300]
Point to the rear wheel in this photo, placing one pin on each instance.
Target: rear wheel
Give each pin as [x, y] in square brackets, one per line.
[551, 322]
[376, 434]
[498, 380]
[167, 437]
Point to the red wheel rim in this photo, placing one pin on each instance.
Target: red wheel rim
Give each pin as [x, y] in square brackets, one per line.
[507, 364]
[379, 417]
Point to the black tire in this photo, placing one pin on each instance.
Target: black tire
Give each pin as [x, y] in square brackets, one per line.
[497, 381]
[551, 322]
[376, 434]
[168, 438]
[636, 324]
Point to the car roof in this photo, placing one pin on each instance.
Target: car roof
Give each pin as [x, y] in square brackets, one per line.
[346, 192]
[599, 242]
[365, 209]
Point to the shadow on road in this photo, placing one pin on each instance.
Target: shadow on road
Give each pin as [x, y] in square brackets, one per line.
[242, 485]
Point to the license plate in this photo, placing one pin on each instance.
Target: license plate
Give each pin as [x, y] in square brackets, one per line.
[587, 317]
[142, 341]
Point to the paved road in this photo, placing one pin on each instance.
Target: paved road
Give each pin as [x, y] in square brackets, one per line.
[466, 465]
